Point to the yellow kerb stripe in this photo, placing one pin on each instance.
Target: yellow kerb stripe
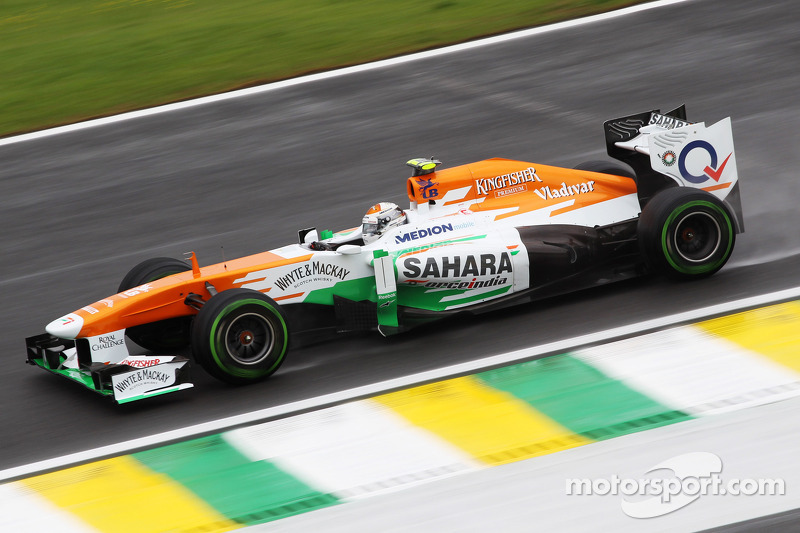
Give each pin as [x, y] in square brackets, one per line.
[493, 426]
[771, 331]
[122, 495]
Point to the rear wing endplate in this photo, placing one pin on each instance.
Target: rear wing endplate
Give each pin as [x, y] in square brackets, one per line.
[666, 150]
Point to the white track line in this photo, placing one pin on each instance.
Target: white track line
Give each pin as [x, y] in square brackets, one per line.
[374, 389]
[339, 72]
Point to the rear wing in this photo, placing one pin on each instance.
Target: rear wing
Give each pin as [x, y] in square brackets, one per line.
[666, 150]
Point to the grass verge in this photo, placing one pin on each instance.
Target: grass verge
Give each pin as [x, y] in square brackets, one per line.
[69, 60]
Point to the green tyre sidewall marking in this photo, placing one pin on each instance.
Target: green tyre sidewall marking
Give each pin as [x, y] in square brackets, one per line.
[240, 372]
[699, 269]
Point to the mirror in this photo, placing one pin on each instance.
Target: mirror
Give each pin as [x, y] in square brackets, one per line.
[348, 249]
[308, 235]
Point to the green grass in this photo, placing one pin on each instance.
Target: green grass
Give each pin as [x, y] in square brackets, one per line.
[69, 60]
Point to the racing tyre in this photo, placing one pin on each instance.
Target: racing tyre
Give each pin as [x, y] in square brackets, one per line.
[240, 336]
[686, 233]
[166, 335]
[605, 167]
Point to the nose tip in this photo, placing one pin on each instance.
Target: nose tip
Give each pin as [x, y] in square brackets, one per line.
[66, 327]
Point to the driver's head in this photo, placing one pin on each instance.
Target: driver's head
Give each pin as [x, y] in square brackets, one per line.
[379, 219]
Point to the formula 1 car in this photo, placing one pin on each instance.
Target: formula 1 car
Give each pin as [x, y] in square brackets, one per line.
[476, 237]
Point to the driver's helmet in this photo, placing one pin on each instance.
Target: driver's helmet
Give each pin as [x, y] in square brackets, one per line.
[380, 218]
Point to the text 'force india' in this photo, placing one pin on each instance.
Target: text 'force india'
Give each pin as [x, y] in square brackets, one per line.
[476, 237]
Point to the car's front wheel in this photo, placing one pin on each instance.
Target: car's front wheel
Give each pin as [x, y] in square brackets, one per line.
[166, 335]
[240, 336]
[686, 233]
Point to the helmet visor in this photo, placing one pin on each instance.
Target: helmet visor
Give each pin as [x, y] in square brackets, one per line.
[370, 229]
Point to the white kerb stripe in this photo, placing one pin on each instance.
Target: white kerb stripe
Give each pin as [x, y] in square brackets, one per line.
[354, 450]
[692, 371]
[22, 510]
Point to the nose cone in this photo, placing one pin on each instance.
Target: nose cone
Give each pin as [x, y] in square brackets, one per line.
[66, 327]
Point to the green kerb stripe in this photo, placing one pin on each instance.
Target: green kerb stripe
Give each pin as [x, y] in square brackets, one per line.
[581, 397]
[242, 490]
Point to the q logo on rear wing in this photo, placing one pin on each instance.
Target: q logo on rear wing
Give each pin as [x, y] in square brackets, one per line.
[697, 156]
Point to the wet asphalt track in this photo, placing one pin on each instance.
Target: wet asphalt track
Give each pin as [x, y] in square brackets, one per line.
[78, 210]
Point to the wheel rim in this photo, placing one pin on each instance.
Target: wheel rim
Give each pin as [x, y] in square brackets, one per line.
[249, 339]
[697, 237]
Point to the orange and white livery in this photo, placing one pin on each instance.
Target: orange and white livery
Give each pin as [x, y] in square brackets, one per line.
[475, 237]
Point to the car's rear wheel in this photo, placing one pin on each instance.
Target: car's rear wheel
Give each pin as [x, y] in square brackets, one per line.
[165, 335]
[686, 233]
[240, 336]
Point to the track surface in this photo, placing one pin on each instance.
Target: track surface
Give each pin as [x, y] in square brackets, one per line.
[80, 209]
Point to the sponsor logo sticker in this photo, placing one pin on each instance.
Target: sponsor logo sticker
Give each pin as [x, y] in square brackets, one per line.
[142, 380]
[486, 185]
[427, 188]
[310, 272]
[669, 123]
[144, 361]
[423, 233]
[136, 290]
[107, 342]
[465, 285]
[709, 171]
[510, 190]
[546, 193]
[469, 266]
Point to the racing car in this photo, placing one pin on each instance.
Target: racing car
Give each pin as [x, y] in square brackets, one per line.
[475, 237]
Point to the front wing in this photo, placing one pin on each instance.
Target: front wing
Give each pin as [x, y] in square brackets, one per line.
[136, 378]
